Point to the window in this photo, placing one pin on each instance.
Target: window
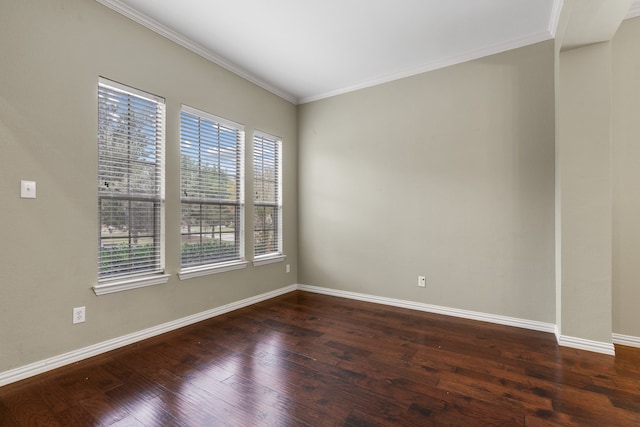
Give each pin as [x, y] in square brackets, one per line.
[212, 185]
[267, 222]
[130, 187]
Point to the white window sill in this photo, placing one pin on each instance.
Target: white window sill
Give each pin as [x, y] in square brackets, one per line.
[188, 273]
[268, 259]
[112, 286]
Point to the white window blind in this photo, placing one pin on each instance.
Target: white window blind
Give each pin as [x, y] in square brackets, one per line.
[130, 181]
[212, 183]
[267, 171]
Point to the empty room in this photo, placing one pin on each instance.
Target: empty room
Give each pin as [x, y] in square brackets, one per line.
[357, 213]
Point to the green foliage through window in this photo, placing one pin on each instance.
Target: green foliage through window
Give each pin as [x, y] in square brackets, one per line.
[211, 168]
[130, 176]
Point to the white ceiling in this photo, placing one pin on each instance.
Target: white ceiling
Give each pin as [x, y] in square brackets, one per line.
[304, 50]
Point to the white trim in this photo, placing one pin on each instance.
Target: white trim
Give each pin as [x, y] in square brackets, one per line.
[208, 116]
[36, 368]
[627, 340]
[125, 10]
[189, 273]
[454, 312]
[130, 283]
[265, 135]
[440, 63]
[573, 342]
[194, 47]
[103, 81]
[634, 10]
[589, 345]
[268, 259]
[556, 10]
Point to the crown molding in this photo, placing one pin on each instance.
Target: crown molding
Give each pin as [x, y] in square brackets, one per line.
[634, 10]
[146, 21]
[556, 10]
[196, 48]
[441, 63]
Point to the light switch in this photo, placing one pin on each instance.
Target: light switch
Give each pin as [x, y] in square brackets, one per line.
[28, 189]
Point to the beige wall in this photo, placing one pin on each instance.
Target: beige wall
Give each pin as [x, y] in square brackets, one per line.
[583, 170]
[448, 174]
[51, 54]
[626, 178]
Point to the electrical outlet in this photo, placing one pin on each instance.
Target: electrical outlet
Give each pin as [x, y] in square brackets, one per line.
[287, 268]
[28, 189]
[78, 315]
[422, 281]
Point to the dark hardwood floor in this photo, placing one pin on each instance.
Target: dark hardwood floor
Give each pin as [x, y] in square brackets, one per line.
[308, 359]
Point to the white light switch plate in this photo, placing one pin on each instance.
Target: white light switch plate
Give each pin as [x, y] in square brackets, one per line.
[28, 189]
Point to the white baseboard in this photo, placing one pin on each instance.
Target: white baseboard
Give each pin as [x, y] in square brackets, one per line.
[567, 341]
[583, 344]
[36, 368]
[465, 314]
[627, 340]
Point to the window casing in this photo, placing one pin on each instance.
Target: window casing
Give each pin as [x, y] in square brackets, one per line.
[131, 134]
[267, 185]
[211, 188]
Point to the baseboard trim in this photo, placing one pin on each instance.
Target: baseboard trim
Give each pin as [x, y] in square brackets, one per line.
[627, 340]
[49, 364]
[429, 308]
[563, 340]
[589, 345]
[40, 367]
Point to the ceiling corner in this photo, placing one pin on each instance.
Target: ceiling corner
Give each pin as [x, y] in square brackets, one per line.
[634, 10]
[153, 25]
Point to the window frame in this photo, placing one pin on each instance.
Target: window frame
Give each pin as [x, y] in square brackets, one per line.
[224, 265]
[155, 273]
[260, 137]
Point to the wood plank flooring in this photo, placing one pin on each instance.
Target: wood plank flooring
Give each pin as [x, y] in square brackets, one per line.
[304, 359]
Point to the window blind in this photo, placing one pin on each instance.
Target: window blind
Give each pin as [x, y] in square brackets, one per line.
[267, 171]
[130, 180]
[211, 184]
